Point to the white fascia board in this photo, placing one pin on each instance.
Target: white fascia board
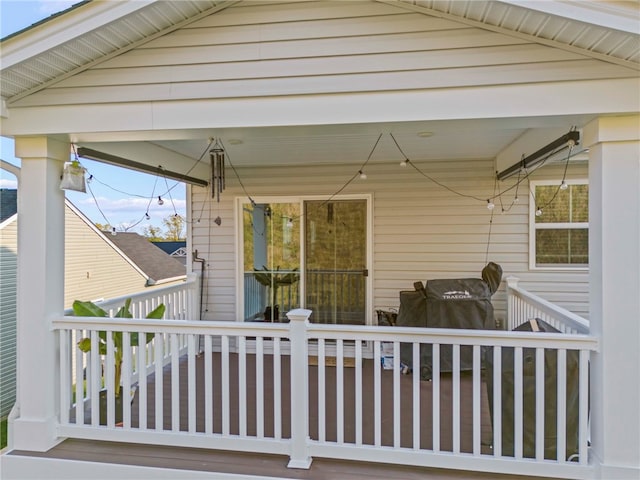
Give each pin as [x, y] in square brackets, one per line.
[58, 30]
[11, 168]
[604, 14]
[4, 111]
[590, 97]
[9, 221]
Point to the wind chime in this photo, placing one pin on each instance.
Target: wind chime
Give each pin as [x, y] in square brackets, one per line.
[216, 154]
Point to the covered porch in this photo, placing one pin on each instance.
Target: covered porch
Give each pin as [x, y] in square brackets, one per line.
[298, 394]
[410, 109]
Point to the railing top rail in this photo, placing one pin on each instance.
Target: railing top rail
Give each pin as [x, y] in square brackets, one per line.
[119, 301]
[488, 338]
[251, 272]
[196, 327]
[332, 332]
[571, 319]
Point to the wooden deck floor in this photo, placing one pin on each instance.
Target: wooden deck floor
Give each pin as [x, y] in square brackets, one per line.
[274, 465]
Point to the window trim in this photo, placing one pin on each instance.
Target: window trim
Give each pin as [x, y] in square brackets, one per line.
[533, 227]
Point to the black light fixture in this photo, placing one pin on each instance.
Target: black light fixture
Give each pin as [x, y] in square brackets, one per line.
[566, 141]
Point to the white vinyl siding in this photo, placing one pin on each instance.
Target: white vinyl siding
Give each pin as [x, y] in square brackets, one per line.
[8, 282]
[93, 268]
[420, 230]
[303, 48]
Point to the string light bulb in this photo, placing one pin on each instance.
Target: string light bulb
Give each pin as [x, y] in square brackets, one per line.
[563, 185]
[490, 205]
[90, 179]
[160, 201]
[516, 200]
[538, 212]
[113, 231]
[147, 216]
[290, 222]
[363, 176]
[403, 163]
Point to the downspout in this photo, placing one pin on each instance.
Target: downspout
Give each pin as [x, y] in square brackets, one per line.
[202, 267]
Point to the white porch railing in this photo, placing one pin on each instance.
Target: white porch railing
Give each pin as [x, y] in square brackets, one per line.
[180, 299]
[523, 306]
[202, 399]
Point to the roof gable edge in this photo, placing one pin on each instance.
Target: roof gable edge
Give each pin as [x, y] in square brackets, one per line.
[141, 41]
[505, 31]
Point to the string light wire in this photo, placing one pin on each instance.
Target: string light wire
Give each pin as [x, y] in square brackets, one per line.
[98, 206]
[555, 194]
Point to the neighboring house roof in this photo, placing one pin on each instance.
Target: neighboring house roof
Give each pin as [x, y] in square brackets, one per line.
[8, 203]
[155, 263]
[176, 249]
[149, 261]
[92, 32]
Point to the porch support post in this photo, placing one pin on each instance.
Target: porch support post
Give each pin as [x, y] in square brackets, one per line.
[298, 323]
[40, 290]
[614, 276]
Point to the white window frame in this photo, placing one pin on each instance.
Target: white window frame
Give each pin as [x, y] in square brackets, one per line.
[533, 226]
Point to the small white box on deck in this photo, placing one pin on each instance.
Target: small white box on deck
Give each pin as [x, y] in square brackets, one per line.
[387, 362]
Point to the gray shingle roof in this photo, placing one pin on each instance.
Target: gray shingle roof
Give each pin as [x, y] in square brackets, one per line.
[8, 203]
[155, 263]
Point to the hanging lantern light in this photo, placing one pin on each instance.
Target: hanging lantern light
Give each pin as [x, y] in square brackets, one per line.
[73, 177]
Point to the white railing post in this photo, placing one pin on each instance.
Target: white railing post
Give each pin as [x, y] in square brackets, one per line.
[193, 297]
[512, 282]
[299, 321]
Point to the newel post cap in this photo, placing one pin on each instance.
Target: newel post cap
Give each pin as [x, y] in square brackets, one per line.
[299, 315]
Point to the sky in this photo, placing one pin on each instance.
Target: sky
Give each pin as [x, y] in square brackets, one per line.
[122, 197]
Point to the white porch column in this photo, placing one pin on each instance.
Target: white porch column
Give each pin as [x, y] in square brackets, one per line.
[40, 289]
[614, 262]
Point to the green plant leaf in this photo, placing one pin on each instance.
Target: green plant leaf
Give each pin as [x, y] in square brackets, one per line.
[87, 309]
[117, 340]
[134, 338]
[158, 312]
[85, 345]
[124, 312]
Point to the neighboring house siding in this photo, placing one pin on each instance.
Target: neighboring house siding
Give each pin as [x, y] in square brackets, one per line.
[304, 48]
[421, 231]
[8, 282]
[93, 268]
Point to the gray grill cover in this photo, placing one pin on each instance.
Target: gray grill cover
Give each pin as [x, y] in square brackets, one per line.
[448, 303]
[529, 397]
[459, 303]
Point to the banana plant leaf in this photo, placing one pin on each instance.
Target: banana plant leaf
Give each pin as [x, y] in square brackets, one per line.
[90, 309]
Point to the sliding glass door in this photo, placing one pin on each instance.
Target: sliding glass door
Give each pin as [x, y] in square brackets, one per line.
[271, 234]
[307, 253]
[335, 265]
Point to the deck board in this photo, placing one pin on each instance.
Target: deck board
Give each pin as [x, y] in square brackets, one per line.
[275, 465]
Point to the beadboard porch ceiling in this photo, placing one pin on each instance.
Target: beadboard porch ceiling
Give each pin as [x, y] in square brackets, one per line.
[90, 33]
